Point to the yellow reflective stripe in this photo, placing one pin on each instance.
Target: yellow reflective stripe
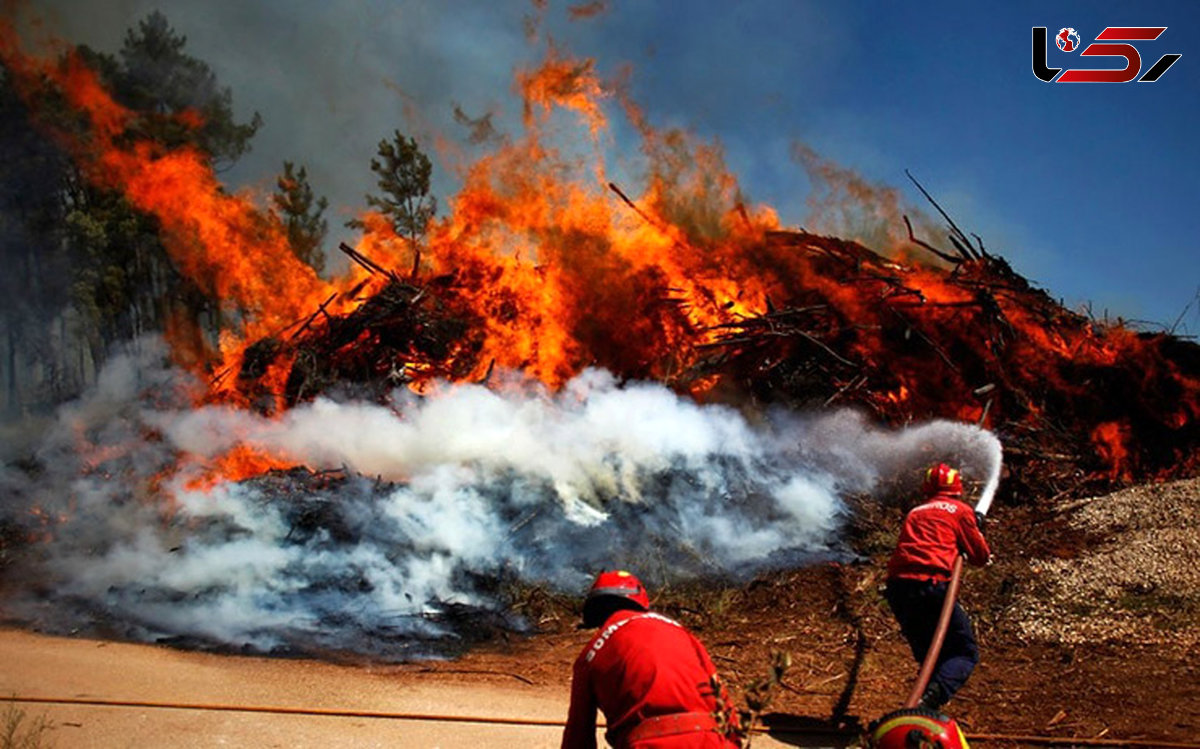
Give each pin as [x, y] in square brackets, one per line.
[961, 737]
[915, 721]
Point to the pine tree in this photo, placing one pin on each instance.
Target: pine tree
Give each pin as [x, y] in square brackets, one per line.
[404, 172]
[300, 212]
[160, 81]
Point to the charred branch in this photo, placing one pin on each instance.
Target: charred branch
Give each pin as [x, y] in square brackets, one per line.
[957, 237]
[626, 199]
[366, 262]
[922, 243]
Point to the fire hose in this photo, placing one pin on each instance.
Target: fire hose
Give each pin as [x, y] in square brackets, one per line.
[939, 636]
[1027, 739]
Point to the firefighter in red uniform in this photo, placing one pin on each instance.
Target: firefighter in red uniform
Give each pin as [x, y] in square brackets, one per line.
[653, 680]
[934, 534]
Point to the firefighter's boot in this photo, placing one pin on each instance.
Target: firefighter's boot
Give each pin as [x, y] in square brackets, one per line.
[935, 696]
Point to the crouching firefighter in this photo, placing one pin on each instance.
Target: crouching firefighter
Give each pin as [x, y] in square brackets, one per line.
[934, 534]
[652, 679]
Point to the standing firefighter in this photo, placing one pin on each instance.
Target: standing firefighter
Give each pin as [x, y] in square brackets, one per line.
[653, 680]
[934, 534]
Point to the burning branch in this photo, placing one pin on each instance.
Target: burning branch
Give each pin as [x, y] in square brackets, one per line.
[366, 262]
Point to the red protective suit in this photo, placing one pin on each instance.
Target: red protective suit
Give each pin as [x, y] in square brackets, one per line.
[934, 534]
[639, 667]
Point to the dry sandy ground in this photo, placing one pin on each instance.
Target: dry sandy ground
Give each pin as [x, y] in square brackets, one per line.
[37, 666]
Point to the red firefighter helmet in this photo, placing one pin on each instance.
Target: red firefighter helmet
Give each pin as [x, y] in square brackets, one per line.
[915, 728]
[942, 479]
[621, 584]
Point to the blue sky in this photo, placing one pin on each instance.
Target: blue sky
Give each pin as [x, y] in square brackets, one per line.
[1088, 189]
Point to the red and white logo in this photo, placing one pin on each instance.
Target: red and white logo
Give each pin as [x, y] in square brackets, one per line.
[1067, 39]
[1113, 41]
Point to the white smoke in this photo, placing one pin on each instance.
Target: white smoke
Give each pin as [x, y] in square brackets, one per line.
[431, 499]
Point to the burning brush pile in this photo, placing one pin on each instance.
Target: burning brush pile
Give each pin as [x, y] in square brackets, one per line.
[1080, 405]
[554, 377]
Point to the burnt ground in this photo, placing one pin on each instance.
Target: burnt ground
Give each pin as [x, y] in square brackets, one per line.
[1088, 622]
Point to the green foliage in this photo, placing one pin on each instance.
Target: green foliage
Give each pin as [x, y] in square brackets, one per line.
[118, 261]
[20, 733]
[160, 81]
[300, 213]
[404, 172]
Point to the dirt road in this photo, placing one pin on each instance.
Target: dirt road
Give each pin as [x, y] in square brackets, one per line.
[35, 666]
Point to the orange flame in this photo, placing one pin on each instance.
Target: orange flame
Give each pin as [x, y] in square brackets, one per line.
[1111, 439]
[567, 83]
[241, 462]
